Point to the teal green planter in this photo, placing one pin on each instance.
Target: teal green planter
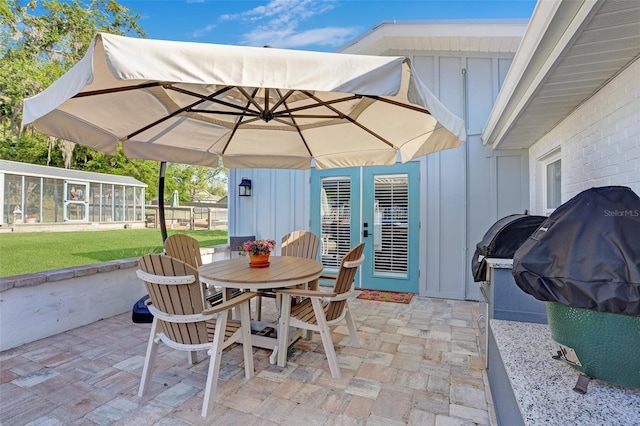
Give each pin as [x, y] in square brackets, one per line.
[607, 345]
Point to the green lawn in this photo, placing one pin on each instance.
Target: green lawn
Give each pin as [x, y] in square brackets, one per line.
[23, 253]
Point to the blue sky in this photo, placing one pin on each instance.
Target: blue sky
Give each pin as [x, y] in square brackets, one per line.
[322, 25]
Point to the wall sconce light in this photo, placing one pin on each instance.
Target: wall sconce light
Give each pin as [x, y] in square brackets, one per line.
[245, 188]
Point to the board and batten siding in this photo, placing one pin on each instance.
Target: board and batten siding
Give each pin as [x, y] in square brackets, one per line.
[279, 204]
[466, 189]
[456, 186]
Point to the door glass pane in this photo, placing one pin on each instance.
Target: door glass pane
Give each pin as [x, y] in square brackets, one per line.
[76, 207]
[32, 194]
[118, 204]
[128, 203]
[107, 202]
[53, 201]
[335, 219]
[13, 199]
[390, 224]
[94, 202]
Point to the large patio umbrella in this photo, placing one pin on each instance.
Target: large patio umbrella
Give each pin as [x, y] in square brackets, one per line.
[195, 103]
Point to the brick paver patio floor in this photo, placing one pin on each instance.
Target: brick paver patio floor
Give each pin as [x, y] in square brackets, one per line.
[418, 364]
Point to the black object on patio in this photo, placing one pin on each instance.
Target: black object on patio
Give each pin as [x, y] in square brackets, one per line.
[584, 262]
[502, 240]
[587, 253]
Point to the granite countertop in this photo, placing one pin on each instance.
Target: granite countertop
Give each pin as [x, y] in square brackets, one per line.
[543, 386]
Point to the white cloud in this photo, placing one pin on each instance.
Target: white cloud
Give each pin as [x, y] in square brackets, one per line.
[283, 11]
[328, 36]
[278, 23]
[201, 31]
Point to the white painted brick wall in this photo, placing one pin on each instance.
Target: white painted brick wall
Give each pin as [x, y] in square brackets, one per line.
[599, 142]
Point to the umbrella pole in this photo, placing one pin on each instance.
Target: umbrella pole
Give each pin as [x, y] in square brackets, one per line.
[163, 224]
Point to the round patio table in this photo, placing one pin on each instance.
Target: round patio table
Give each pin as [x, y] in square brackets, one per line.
[283, 271]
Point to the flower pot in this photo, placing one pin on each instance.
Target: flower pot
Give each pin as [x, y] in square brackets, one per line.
[259, 260]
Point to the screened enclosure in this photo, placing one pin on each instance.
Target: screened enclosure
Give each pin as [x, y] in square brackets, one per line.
[39, 194]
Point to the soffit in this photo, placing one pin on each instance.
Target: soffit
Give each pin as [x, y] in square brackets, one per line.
[584, 46]
[472, 36]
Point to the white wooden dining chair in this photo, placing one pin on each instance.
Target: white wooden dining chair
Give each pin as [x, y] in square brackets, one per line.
[320, 310]
[186, 248]
[181, 321]
[296, 243]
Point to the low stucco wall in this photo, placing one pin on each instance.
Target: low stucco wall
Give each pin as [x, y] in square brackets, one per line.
[35, 306]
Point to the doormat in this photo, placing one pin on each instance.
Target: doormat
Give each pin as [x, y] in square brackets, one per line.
[385, 296]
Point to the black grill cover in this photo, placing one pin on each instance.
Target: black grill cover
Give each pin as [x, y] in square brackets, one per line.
[586, 254]
[502, 240]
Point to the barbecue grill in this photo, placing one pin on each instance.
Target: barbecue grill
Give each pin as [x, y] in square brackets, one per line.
[502, 240]
[584, 261]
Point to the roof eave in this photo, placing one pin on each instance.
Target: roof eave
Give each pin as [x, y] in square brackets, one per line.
[531, 65]
[435, 28]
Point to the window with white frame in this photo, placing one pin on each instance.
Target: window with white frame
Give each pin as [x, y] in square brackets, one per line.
[552, 182]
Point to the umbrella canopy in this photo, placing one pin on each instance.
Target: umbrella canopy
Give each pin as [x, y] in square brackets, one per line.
[195, 103]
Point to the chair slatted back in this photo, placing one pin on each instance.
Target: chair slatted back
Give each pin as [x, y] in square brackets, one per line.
[185, 248]
[300, 244]
[344, 279]
[176, 299]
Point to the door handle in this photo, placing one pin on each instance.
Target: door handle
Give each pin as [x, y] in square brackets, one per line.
[365, 233]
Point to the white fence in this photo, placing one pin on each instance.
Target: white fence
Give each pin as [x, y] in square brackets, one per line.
[188, 217]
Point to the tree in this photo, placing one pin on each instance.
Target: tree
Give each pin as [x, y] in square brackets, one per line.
[190, 181]
[40, 41]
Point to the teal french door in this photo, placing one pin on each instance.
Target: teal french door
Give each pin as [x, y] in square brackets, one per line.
[377, 205]
[390, 227]
[335, 213]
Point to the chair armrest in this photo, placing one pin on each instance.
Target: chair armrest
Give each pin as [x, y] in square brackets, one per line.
[305, 293]
[341, 296]
[225, 306]
[205, 315]
[354, 263]
[175, 318]
[161, 279]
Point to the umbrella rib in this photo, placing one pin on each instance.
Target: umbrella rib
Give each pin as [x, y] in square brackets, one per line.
[216, 101]
[290, 117]
[293, 120]
[400, 104]
[235, 127]
[305, 107]
[339, 117]
[250, 98]
[117, 89]
[351, 120]
[240, 113]
[254, 119]
[281, 100]
[183, 109]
